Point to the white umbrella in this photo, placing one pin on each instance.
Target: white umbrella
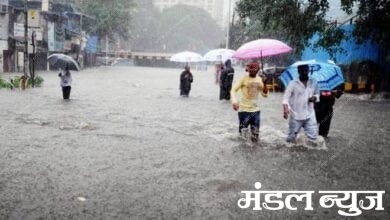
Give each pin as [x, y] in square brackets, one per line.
[218, 55]
[59, 60]
[186, 57]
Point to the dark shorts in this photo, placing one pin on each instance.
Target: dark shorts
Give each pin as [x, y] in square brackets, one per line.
[66, 92]
[249, 118]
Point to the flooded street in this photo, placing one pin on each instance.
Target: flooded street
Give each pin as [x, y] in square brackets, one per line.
[126, 145]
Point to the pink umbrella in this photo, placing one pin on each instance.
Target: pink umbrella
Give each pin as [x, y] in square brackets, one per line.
[261, 48]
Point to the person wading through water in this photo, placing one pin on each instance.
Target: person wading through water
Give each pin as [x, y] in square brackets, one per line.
[186, 79]
[251, 86]
[226, 81]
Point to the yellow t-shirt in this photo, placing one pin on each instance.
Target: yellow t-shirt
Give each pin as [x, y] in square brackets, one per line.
[250, 89]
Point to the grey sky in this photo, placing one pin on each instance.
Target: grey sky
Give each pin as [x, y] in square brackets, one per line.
[335, 11]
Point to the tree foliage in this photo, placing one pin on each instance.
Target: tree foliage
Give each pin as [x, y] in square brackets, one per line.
[178, 28]
[112, 17]
[138, 22]
[185, 27]
[291, 21]
[295, 21]
[144, 26]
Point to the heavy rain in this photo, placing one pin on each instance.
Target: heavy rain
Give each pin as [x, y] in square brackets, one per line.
[133, 141]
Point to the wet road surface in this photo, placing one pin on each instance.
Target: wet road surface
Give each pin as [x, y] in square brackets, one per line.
[126, 145]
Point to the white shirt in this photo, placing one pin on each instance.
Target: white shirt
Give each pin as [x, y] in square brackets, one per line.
[66, 79]
[296, 97]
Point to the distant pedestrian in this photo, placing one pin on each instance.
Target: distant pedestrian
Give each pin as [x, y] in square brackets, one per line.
[324, 110]
[251, 86]
[298, 102]
[226, 81]
[218, 70]
[66, 82]
[186, 79]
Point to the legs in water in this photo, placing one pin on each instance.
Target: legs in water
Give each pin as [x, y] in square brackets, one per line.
[252, 119]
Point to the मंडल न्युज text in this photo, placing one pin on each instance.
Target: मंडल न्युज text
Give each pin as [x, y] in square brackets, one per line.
[328, 200]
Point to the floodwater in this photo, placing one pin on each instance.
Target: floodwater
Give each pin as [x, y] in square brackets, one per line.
[126, 145]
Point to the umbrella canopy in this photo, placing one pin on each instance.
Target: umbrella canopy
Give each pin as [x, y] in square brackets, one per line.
[186, 57]
[218, 55]
[261, 48]
[59, 60]
[327, 74]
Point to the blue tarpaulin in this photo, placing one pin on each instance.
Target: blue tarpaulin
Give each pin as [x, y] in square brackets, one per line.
[353, 51]
[92, 43]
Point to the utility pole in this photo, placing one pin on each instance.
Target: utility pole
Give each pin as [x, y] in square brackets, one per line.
[33, 43]
[106, 58]
[25, 57]
[80, 50]
[228, 27]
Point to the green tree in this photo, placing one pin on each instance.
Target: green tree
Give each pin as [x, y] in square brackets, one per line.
[295, 21]
[184, 27]
[112, 17]
[174, 29]
[144, 26]
[291, 21]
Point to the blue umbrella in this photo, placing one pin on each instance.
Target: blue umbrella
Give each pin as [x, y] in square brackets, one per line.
[327, 74]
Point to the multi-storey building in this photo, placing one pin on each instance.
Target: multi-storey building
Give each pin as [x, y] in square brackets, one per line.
[4, 20]
[57, 28]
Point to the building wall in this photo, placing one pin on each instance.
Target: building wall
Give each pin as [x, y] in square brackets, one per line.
[4, 20]
[55, 33]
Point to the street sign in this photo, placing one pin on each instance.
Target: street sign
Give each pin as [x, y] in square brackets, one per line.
[45, 5]
[20, 59]
[18, 30]
[33, 18]
[50, 36]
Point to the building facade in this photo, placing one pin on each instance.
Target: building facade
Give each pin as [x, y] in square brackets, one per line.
[56, 27]
[4, 21]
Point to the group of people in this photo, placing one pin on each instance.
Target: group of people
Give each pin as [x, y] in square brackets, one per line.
[223, 77]
[224, 74]
[303, 104]
[308, 106]
[225, 80]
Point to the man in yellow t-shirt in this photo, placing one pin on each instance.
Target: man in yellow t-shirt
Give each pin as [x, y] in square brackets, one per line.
[251, 86]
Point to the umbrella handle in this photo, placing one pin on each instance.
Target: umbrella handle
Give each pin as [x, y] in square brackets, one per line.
[261, 61]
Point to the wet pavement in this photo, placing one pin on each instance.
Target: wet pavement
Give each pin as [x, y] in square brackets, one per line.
[126, 145]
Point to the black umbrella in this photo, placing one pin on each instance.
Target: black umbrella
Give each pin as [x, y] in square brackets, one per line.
[59, 60]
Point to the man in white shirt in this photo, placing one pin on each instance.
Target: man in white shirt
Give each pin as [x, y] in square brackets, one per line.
[298, 102]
